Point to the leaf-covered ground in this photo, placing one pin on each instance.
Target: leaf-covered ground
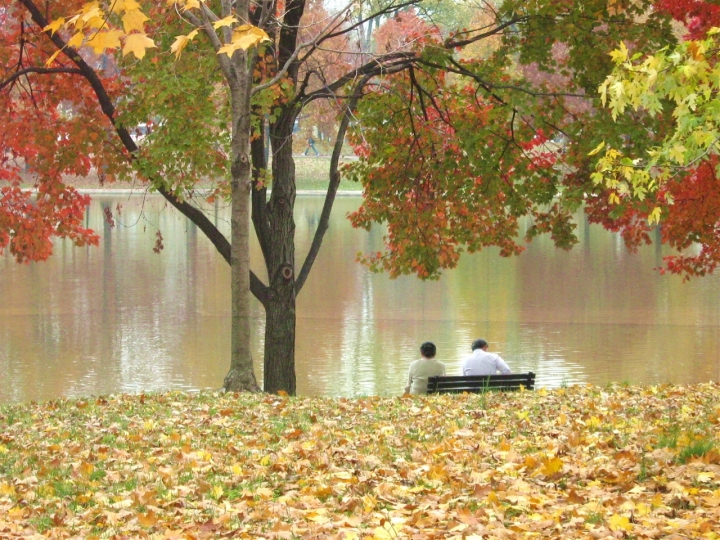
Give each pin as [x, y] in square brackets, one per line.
[580, 462]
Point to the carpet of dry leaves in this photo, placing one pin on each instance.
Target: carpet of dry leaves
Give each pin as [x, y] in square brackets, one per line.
[577, 462]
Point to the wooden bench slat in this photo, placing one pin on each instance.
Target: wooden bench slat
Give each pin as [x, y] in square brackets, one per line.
[480, 383]
[475, 378]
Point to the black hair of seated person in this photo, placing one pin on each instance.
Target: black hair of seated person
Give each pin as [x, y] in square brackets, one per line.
[428, 350]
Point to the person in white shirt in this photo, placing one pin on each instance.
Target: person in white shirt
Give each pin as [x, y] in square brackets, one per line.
[482, 362]
[421, 369]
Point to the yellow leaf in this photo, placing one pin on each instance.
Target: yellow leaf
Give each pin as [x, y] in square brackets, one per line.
[308, 445]
[244, 37]
[52, 57]
[552, 466]
[237, 469]
[181, 42]
[594, 421]
[90, 12]
[228, 49]
[677, 154]
[522, 415]
[381, 534]
[76, 41]
[597, 149]
[191, 4]
[134, 21]
[654, 216]
[7, 489]
[136, 44]
[225, 21]
[265, 461]
[643, 509]
[705, 476]
[245, 42]
[369, 503]
[101, 41]
[217, 491]
[16, 512]
[54, 26]
[613, 198]
[617, 523]
[148, 520]
[95, 22]
[120, 6]
[86, 469]
[620, 55]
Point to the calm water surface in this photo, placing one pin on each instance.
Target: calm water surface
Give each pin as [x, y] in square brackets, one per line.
[119, 318]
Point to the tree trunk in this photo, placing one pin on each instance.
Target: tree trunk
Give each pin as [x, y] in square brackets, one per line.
[280, 315]
[241, 376]
[279, 372]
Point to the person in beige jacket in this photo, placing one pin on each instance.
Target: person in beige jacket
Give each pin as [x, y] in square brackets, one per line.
[421, 369]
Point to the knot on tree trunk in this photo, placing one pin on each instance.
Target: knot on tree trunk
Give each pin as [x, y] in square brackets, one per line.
[239, 165]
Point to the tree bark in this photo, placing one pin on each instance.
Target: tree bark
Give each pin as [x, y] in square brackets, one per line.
[280, 314]
[241, 376]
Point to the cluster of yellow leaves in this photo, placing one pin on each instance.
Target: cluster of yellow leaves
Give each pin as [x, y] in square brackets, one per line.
[122, 21]
[243, 37]
[91, 27]
[581, 462]
[688, 78]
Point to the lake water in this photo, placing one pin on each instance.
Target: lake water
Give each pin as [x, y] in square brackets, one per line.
[120, 318]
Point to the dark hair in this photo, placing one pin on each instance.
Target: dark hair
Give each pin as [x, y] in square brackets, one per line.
[428, 350]
[479, 344]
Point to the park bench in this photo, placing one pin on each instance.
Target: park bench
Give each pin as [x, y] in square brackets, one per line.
[477, 384]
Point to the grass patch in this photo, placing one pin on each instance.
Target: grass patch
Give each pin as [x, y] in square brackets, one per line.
[696, 449]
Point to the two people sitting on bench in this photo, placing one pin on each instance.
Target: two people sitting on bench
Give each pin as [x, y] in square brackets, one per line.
[482, 362]
[421, 369]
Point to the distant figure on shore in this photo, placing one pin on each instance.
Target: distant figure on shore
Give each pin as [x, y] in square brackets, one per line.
[421, 369]
[482, 362]
[311, 146]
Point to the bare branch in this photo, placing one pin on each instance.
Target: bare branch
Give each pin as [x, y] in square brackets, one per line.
[385, 11]
[25, 71]
[293, 57]
[333, 185]
[389, 63]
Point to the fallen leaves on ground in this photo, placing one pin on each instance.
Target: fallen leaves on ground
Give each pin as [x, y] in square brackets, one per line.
[577, 462]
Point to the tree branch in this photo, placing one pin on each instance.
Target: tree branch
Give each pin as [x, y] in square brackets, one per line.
[385, 64]
[39, 70]
[333, 186]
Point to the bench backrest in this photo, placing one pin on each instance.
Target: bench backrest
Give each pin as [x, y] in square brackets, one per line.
[480, 383]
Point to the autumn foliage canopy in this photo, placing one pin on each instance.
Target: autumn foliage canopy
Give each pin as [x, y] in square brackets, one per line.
[491, 150]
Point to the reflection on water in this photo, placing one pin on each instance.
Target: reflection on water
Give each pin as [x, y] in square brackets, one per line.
[119, 318]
